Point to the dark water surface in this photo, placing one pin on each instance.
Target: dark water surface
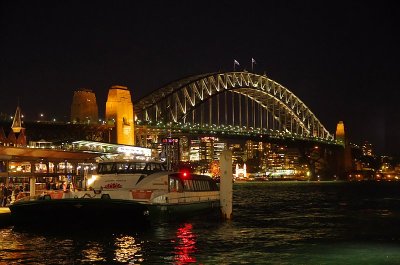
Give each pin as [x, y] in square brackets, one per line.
[274, 223]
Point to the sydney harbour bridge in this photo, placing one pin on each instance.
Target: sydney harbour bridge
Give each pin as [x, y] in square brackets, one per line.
[230, 104]
[237, 105]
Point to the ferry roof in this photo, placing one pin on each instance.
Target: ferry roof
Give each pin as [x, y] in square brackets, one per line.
[26, 154]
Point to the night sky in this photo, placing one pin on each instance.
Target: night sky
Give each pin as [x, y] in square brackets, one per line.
[341, 58]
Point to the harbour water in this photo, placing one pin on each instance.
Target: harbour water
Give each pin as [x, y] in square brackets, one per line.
[273, 223]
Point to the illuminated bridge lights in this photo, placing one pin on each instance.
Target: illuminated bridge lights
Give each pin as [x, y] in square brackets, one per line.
[233, 98]
[235, 131]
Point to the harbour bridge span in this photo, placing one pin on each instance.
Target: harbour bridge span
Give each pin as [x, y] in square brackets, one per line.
[231, 103]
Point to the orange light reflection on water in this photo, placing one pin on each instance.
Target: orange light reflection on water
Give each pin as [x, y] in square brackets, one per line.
[127, 250]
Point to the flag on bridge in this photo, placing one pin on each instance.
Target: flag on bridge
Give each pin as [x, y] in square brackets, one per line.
[234, 64]
[253, 62]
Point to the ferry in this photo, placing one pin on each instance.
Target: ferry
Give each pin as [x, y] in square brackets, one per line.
[133, 191]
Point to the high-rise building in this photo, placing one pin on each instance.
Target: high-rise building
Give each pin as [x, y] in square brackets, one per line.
[84, 107]
[276, 158]
[292, 157]
[252, 149]
[206, 149]
[219, 146]
[194, 153]
[184, 148]
[237, 153]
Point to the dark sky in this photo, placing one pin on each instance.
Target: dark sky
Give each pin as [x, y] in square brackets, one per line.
[339, 57]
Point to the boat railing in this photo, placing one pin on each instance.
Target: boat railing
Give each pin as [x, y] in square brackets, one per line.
[185, 197]
[51, 194]
[28, 198]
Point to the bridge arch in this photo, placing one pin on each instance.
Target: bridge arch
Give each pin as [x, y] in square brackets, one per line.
[273, 108]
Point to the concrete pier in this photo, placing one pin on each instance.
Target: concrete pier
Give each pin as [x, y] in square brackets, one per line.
[226, 184]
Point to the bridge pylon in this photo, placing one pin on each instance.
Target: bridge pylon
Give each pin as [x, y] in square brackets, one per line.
[119, 112]
[344, 156]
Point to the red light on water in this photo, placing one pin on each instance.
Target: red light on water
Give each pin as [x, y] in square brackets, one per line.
[185, 248]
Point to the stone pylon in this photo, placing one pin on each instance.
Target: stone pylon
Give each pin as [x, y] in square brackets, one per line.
[345, 161]
[119, 112]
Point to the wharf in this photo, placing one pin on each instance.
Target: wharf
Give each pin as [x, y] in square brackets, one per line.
[5, 216]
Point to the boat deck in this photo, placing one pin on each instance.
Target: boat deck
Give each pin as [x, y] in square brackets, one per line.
[5, 216]
[4, 210]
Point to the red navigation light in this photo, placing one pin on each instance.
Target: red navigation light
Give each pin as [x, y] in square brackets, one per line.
[185, 174]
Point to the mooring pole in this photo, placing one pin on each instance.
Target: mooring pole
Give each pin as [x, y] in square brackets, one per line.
[32, 186]
[226, 184]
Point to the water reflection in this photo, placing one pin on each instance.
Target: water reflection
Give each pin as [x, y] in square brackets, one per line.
[93, 252]
[185, 245]
[12, 247]
[127, 249]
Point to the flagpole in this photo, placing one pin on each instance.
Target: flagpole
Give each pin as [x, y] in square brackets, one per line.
[234, 64]
[252, 64]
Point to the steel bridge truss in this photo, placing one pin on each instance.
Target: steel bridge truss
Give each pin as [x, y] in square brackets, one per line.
[239, 100]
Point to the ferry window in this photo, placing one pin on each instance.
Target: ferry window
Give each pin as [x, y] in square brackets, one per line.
[193, 185]
[150, 166]
[186, 185]
[207, 185]
[175, 185]
[132, 167]
[189, 184]
[180, 186]
[199, 183]
[154, 167]
[196, 185]
[106, 168]
[140, 166]
[122, 167]
[136, 167]
[159, 167]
